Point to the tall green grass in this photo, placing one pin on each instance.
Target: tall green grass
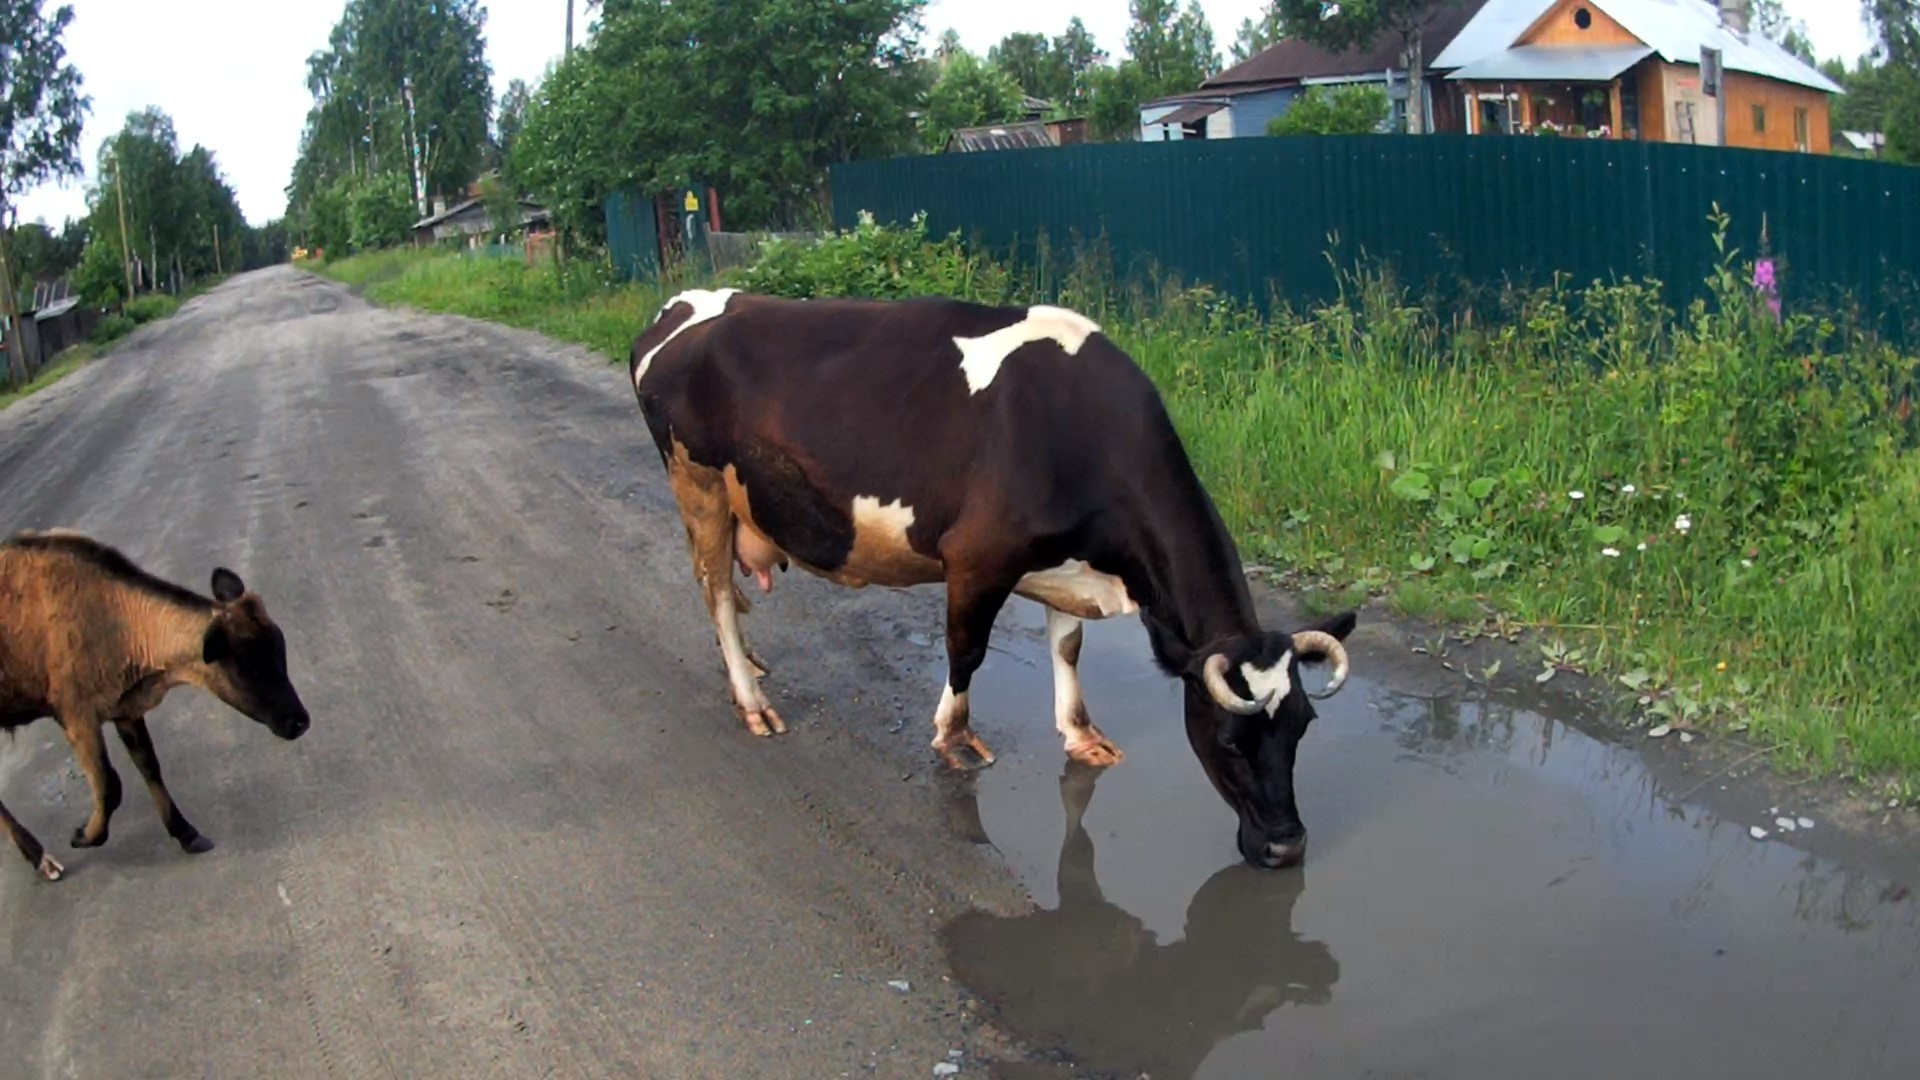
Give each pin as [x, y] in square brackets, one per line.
[1713, 509]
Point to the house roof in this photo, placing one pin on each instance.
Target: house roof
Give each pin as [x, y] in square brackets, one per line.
[1018, 135]
[1192, 112]
[1864, 140]
[1676, 29]
[1292, 60]
[528, 209]
[1525, 63]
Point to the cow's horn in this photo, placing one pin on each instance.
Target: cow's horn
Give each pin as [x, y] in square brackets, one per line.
[1215, 674]
[1307, 641]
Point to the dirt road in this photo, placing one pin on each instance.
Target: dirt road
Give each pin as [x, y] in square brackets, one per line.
[526, 836]
[523, 837]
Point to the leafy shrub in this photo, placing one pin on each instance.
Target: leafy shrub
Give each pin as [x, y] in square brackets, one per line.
[146, 309]
[874, 261]
[1357, 109]
[111, 328]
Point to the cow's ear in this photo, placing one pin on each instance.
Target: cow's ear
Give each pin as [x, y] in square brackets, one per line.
[1338, 625]
[227, 586]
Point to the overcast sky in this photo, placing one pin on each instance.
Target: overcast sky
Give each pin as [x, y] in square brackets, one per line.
[232, 73]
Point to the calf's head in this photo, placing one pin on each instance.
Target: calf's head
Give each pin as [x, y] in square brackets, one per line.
[245, 657]
[1246, 712]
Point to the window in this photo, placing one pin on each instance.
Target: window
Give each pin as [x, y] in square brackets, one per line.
[1800, 140]
[1582, 18]
[1759, 119]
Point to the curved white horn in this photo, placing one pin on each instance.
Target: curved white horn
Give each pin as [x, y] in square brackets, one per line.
[1215, 674]
[1307, 641]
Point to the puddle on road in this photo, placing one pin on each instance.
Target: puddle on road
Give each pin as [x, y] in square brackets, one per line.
[1488, 893]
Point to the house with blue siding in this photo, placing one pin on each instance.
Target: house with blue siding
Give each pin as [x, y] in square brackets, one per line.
[1239, 102]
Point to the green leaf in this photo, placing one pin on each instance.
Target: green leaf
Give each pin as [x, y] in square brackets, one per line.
[1482, 487]
[1386, 460]
[1608, 534]
[1412, 486]
[1482, 548]
[1421, 563]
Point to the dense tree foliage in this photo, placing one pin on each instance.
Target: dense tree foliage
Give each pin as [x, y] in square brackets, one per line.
[755, 97]
[1256, 35]
[1360, 23]
[176, 207]
[969, 93]
[401, 89]
[41, 111]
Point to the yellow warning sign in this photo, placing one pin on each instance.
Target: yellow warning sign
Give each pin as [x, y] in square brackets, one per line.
[693, 204]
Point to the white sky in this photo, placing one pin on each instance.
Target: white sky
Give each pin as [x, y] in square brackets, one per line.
[232, 73]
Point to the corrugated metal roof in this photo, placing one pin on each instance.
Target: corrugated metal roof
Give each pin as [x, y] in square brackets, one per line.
[1015, 136]
[1676, 29]
[1864, 140]
[1529, 63]
[1188, 114]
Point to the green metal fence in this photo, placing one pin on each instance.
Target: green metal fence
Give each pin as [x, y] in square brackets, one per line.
[1260, 217]
[633, 236]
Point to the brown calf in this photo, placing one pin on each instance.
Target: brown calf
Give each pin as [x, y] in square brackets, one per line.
[88, 638]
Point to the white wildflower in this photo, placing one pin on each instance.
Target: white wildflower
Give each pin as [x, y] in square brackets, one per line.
[1642, 546]
[1611, 553]
[1682, 523]
[1576, 496]
[1627, 490]
[1747, 563]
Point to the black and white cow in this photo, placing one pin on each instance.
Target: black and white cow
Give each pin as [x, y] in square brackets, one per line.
[997, 451]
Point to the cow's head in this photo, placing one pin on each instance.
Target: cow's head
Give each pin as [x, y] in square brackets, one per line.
[244, 655]
[1246, 712]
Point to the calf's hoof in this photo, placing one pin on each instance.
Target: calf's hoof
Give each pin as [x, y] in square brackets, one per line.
[196, 845]
[50, 868]
[765, 723]
[1099, 752]
[80, 838]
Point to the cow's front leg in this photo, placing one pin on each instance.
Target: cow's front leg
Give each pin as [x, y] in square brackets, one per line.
[83, 734]
[139, 743]
[702, 495]
[1083, 742]
[972, 605]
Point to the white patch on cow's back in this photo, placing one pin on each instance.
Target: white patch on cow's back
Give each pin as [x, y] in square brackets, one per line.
[1273, 680]
[1078, 589]
[981, 357]
[706, 303]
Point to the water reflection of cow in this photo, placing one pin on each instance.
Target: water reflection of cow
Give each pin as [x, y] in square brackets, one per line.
[1091, 977]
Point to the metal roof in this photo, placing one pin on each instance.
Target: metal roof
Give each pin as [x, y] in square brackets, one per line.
[1020, 135]
[1676, 29]
[1292, 60]
[1532, 63]
[1188, 114]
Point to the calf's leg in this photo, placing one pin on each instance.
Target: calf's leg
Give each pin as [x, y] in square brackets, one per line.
[139, 744]
[83, 734]
[702, 495]
[30, 848]
[1083, 742]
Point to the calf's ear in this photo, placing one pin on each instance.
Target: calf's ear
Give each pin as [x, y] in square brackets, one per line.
[227, 586]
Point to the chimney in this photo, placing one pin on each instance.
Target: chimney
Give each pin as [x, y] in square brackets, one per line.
[1733, 16]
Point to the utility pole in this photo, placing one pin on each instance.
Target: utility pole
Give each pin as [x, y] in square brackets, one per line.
[217, 268]
[569, 29]
[126, 253]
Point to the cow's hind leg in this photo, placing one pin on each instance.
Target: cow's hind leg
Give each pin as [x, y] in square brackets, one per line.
[83, 734]
[973, 602]
[139, 744]
[30, 848]
[1083, 742]
[702, 495]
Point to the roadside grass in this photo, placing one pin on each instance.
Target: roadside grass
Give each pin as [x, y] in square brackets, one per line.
[65, 362]
[1714, 510]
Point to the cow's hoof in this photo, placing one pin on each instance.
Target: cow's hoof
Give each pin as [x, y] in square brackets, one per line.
[1098, 752]
[766, 723]
[80, 838]
[50, 868]
[951, 752]
[196, 845]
